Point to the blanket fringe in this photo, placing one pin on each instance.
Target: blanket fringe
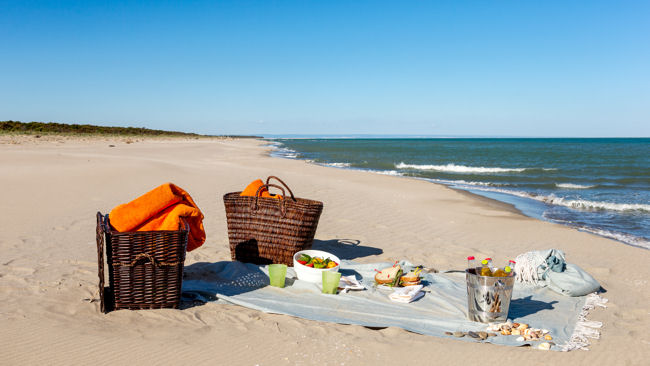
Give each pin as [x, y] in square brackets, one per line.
[526, 268]
[585, 329]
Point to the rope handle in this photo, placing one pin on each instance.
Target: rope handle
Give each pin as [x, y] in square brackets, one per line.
[282, 202]
[149, 257]
[281, 182]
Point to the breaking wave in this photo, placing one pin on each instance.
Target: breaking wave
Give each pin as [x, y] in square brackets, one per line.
[338, 165]
[453, 168]
[593, 205]
[572, 186]
[625, 238]
[573, 203]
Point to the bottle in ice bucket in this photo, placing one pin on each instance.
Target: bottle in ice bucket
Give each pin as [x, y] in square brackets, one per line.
[471, 262]
[502, 272]
[485, 267]
[506, 271]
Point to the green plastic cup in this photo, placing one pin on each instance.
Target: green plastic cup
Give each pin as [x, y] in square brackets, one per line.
[277, 274]
[331, 282]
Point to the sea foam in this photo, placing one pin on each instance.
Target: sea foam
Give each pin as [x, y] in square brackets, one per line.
[388, 172]
[283, 152]
[572, 186]
[463, 183]
[593, 205]
[572, 203]
[625, 238]
[453, 168]
[338, 165]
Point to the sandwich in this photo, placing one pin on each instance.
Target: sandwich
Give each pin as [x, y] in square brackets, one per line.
[389, 276]
[410, 279]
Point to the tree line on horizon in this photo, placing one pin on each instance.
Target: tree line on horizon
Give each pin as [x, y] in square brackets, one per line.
[65, 128]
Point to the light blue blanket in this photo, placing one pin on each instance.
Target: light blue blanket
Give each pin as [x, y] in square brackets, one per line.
[442, 309]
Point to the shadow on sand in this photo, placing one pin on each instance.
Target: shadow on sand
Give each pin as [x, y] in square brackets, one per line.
[345, 248]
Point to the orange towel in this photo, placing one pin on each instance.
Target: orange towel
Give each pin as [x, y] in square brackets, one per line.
[161, 209]
[252, 188]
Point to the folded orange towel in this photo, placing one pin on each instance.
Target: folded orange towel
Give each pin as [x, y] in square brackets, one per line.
[252, 188]
[161, 209]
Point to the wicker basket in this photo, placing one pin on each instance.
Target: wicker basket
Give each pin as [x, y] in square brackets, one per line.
[145, 268]
[266, 230]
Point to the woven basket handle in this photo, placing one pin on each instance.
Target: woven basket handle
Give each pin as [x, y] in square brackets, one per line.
[281, 182]
[149, 257]
[100, 261]
[281, 203]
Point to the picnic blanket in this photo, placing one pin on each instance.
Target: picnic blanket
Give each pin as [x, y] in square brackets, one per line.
[442, 309]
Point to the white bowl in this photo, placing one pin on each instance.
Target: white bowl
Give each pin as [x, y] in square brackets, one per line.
[310, 274]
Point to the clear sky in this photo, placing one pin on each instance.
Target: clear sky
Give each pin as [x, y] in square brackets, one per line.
[522, 68]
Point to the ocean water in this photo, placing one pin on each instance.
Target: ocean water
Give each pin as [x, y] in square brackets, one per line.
[597, 185]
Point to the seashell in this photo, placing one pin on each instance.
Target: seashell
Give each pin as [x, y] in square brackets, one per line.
[544, 331]
[505, 327]
[544, 346]
[548, 337]
[515, 332]
[522, 326]
[505, 332]
[473, 334]
[520, 339]
[449, 333]
[459, 334]
[516, 325]
[528, 331]
[527, 337]
[492, 334]
[483, 335]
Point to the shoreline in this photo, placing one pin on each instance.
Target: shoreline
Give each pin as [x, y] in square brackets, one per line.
[489, 202]
[48, 274]
[510, 201]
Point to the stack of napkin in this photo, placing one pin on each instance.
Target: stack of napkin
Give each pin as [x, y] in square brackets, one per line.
[350, 283]
[407, 294]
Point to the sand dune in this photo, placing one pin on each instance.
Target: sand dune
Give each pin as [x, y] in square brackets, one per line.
[51, 190]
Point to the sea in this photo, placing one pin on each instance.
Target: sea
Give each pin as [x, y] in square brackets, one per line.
[597, 185]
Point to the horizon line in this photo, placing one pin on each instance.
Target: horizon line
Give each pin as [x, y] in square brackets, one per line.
[417, 136]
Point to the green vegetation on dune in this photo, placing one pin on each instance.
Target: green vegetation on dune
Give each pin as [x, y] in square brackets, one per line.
[64, 128]
[30, 128]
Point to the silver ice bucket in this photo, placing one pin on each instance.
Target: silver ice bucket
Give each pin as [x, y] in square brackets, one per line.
[488, 298]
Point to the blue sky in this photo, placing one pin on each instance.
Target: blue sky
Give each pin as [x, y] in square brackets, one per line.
[515, 68]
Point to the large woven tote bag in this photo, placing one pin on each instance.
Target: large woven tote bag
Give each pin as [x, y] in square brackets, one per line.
[266, 230]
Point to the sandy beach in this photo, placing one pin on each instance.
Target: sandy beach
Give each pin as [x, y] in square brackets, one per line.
[53, 187]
